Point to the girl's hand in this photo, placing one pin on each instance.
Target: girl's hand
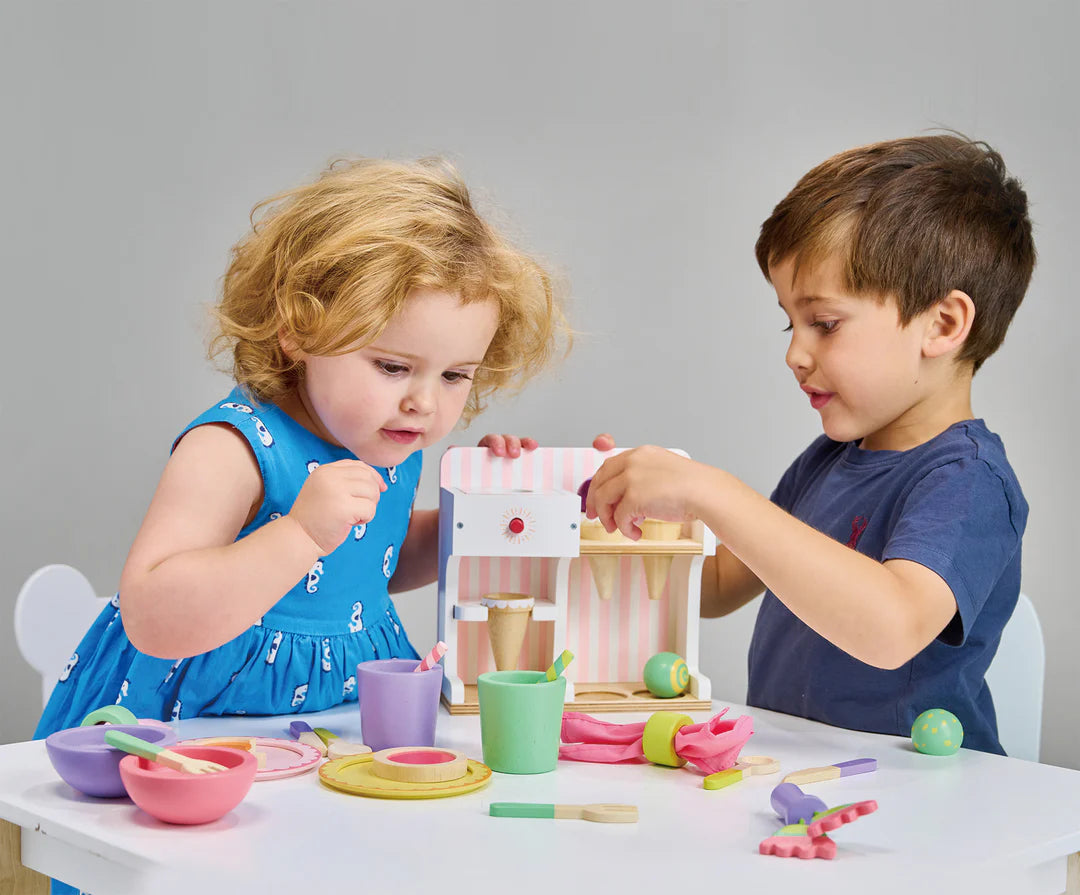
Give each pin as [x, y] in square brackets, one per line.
[644, 482]
[512, 445]
[603, 442]
[507, 445]
[335, 497]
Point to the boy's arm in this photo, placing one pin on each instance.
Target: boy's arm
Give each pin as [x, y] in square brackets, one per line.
[880, 613]
[726, 584]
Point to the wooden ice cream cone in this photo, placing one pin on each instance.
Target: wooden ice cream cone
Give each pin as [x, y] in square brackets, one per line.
[603, 568]
[507, 622]
[602, 565]
[660, 530]
[658, 566]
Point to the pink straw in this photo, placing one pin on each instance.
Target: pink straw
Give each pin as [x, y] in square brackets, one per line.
[432, 659]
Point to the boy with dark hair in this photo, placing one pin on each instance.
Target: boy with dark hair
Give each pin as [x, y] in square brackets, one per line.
[890, 550]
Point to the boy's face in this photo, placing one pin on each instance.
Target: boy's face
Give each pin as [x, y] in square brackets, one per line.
[861, 370]
[407, 389]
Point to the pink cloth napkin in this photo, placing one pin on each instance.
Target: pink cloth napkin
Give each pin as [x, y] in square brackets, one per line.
[712, 745]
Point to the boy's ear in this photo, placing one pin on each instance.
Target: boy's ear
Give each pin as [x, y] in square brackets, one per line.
[949, 322]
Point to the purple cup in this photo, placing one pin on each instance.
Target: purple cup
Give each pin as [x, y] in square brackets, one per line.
[82, 757]
[398, 705]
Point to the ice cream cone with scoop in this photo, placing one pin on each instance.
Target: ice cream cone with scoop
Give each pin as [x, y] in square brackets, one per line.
[658, 566]
[507, 620]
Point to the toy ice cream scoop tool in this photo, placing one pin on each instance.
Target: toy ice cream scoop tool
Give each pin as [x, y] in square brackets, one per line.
[807, 819]
[667, 738]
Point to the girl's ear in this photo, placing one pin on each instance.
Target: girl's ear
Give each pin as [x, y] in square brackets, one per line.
[949, 323]
[289, 346]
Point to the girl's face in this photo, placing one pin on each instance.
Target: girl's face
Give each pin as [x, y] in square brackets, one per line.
[861, 370]
[407, 389]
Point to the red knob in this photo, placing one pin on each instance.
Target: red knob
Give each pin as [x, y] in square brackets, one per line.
[517, 525]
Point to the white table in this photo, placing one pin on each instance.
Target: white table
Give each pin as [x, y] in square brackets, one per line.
[972, 822]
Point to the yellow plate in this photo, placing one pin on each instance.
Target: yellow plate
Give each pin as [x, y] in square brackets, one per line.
[353, 774]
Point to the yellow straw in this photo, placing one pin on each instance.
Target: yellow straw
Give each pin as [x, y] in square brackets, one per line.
[559, 665]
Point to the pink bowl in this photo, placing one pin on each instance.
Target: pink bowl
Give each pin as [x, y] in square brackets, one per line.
[177, 797]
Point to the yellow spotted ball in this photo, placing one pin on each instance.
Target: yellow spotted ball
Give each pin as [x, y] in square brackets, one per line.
[937, 732]
[667, 675]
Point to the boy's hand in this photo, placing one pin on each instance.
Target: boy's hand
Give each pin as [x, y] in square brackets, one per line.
[335, 497]
[643, 482]
[507, 445]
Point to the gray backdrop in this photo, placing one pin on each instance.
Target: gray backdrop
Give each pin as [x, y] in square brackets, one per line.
[636, 146]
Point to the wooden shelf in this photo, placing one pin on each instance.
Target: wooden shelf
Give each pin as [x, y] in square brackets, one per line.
[622, 696]
[642, 547]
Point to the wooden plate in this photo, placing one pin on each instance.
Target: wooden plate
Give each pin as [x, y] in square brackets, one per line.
[353, 774]
[283, 758]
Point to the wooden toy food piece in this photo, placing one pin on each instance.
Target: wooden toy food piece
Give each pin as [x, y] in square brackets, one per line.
[603, 565]
[336, 747]
[340, 748]
[600, 813]
[419, 764]
[507, 621]
[658, 566]
[134, 746]
[304, 734]
[244, 744]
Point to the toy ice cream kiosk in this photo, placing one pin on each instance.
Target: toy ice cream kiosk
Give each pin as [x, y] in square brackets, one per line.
[523, 576]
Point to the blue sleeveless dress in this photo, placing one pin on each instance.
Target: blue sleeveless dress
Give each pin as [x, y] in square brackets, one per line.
[301, 656]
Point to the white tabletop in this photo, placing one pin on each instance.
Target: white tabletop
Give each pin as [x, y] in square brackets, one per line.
[974, 821]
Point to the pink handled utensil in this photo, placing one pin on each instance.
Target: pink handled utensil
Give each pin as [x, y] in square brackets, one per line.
[432, 659]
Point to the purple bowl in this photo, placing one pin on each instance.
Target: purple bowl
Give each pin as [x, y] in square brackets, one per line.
[84, 760]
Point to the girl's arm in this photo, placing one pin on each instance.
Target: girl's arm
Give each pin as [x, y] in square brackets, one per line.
[418, 562]
[880, 613]
[188, 586]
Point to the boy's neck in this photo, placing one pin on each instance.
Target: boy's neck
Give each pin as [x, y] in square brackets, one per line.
[944, 407]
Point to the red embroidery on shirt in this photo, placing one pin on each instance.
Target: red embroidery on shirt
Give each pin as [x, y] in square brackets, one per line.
[858, 526]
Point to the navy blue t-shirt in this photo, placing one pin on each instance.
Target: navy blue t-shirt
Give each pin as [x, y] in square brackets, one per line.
[953, 505]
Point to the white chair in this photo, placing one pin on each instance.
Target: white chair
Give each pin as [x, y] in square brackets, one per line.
[52, 612]
[1016, 682]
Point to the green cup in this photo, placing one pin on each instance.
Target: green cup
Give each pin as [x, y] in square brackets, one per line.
[520, 720]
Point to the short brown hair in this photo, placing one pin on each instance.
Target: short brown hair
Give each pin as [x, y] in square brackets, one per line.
[329, 263]
[914, 219]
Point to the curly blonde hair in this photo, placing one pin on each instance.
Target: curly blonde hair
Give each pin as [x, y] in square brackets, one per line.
[328, 264]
